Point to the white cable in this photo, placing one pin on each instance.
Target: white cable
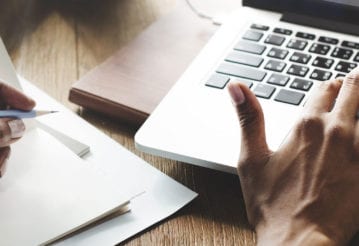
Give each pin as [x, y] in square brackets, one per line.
[198, 12]
[217, 20]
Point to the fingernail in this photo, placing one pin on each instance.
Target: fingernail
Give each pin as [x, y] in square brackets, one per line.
[17, 128]
[340, 79]
[236, 94]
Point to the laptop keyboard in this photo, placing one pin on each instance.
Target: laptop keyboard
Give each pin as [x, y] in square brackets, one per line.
[283, 65]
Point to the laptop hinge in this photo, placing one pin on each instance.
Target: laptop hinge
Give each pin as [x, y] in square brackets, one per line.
[322, 23]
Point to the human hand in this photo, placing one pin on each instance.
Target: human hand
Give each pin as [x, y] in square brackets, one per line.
[11, 129]
[307, 192]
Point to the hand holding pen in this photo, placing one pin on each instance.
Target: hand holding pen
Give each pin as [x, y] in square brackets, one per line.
[11, 128]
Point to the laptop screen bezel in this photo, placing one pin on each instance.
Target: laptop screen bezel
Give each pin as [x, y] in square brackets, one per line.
[320, 8]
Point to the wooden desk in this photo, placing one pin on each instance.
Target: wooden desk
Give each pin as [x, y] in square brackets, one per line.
[55, 42]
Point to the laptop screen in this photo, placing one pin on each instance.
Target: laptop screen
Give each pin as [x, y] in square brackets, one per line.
[340, 10]
[353, 3]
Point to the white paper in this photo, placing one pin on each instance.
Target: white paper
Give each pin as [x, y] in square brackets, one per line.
[163, 196]
[48, 191]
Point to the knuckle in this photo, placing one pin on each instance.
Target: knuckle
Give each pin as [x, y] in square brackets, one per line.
[352, 79]
[338, 131]
[249, 117]
[310, 124]
[330, 85]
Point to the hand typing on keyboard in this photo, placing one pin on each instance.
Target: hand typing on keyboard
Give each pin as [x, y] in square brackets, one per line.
[284, 65]
[306, 193]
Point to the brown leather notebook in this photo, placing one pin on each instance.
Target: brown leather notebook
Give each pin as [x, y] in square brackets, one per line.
[131, 83]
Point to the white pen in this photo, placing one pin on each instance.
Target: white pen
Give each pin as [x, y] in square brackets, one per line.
[20, 114]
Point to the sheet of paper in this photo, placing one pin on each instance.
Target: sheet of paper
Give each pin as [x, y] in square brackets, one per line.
[48, 191]
[163, 196]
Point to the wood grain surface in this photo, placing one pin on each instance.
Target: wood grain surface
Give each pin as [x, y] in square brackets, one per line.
[55, 42]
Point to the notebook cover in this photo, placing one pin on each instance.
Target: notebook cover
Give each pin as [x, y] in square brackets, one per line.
[131, 83]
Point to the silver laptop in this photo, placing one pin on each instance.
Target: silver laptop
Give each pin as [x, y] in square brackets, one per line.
[282, 50]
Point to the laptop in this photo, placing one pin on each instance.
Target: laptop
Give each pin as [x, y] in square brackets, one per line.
[282, 49]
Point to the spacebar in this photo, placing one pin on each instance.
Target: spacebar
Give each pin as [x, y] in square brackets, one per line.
[241, 71]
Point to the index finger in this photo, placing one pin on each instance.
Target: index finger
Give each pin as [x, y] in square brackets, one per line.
[14, 98]
[347, 102]
[323, 99]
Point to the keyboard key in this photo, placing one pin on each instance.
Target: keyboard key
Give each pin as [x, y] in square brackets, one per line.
[328, 40]
[321, 75]
[305, 35]
[218, 81]
[248, 83]
[278, 79]
[252, 35]
[244, 58]
[274, 40]
[297, 44]
[301, 84]
[345, 67]
[278, 53]
[340, 75]
[291, 97]
[250, 47]
[260, 27]
[283, 31]
[323, 62]
[356, 58]
[241, 71]
[298, 70]
[349, 44]
[264, 91]
[342, 53]
[321, 49]
[300, 58]
[277, 66]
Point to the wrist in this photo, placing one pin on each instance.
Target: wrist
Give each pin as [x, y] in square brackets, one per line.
[293, 234]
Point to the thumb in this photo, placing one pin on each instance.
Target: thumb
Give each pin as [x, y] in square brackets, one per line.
[254, 146]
